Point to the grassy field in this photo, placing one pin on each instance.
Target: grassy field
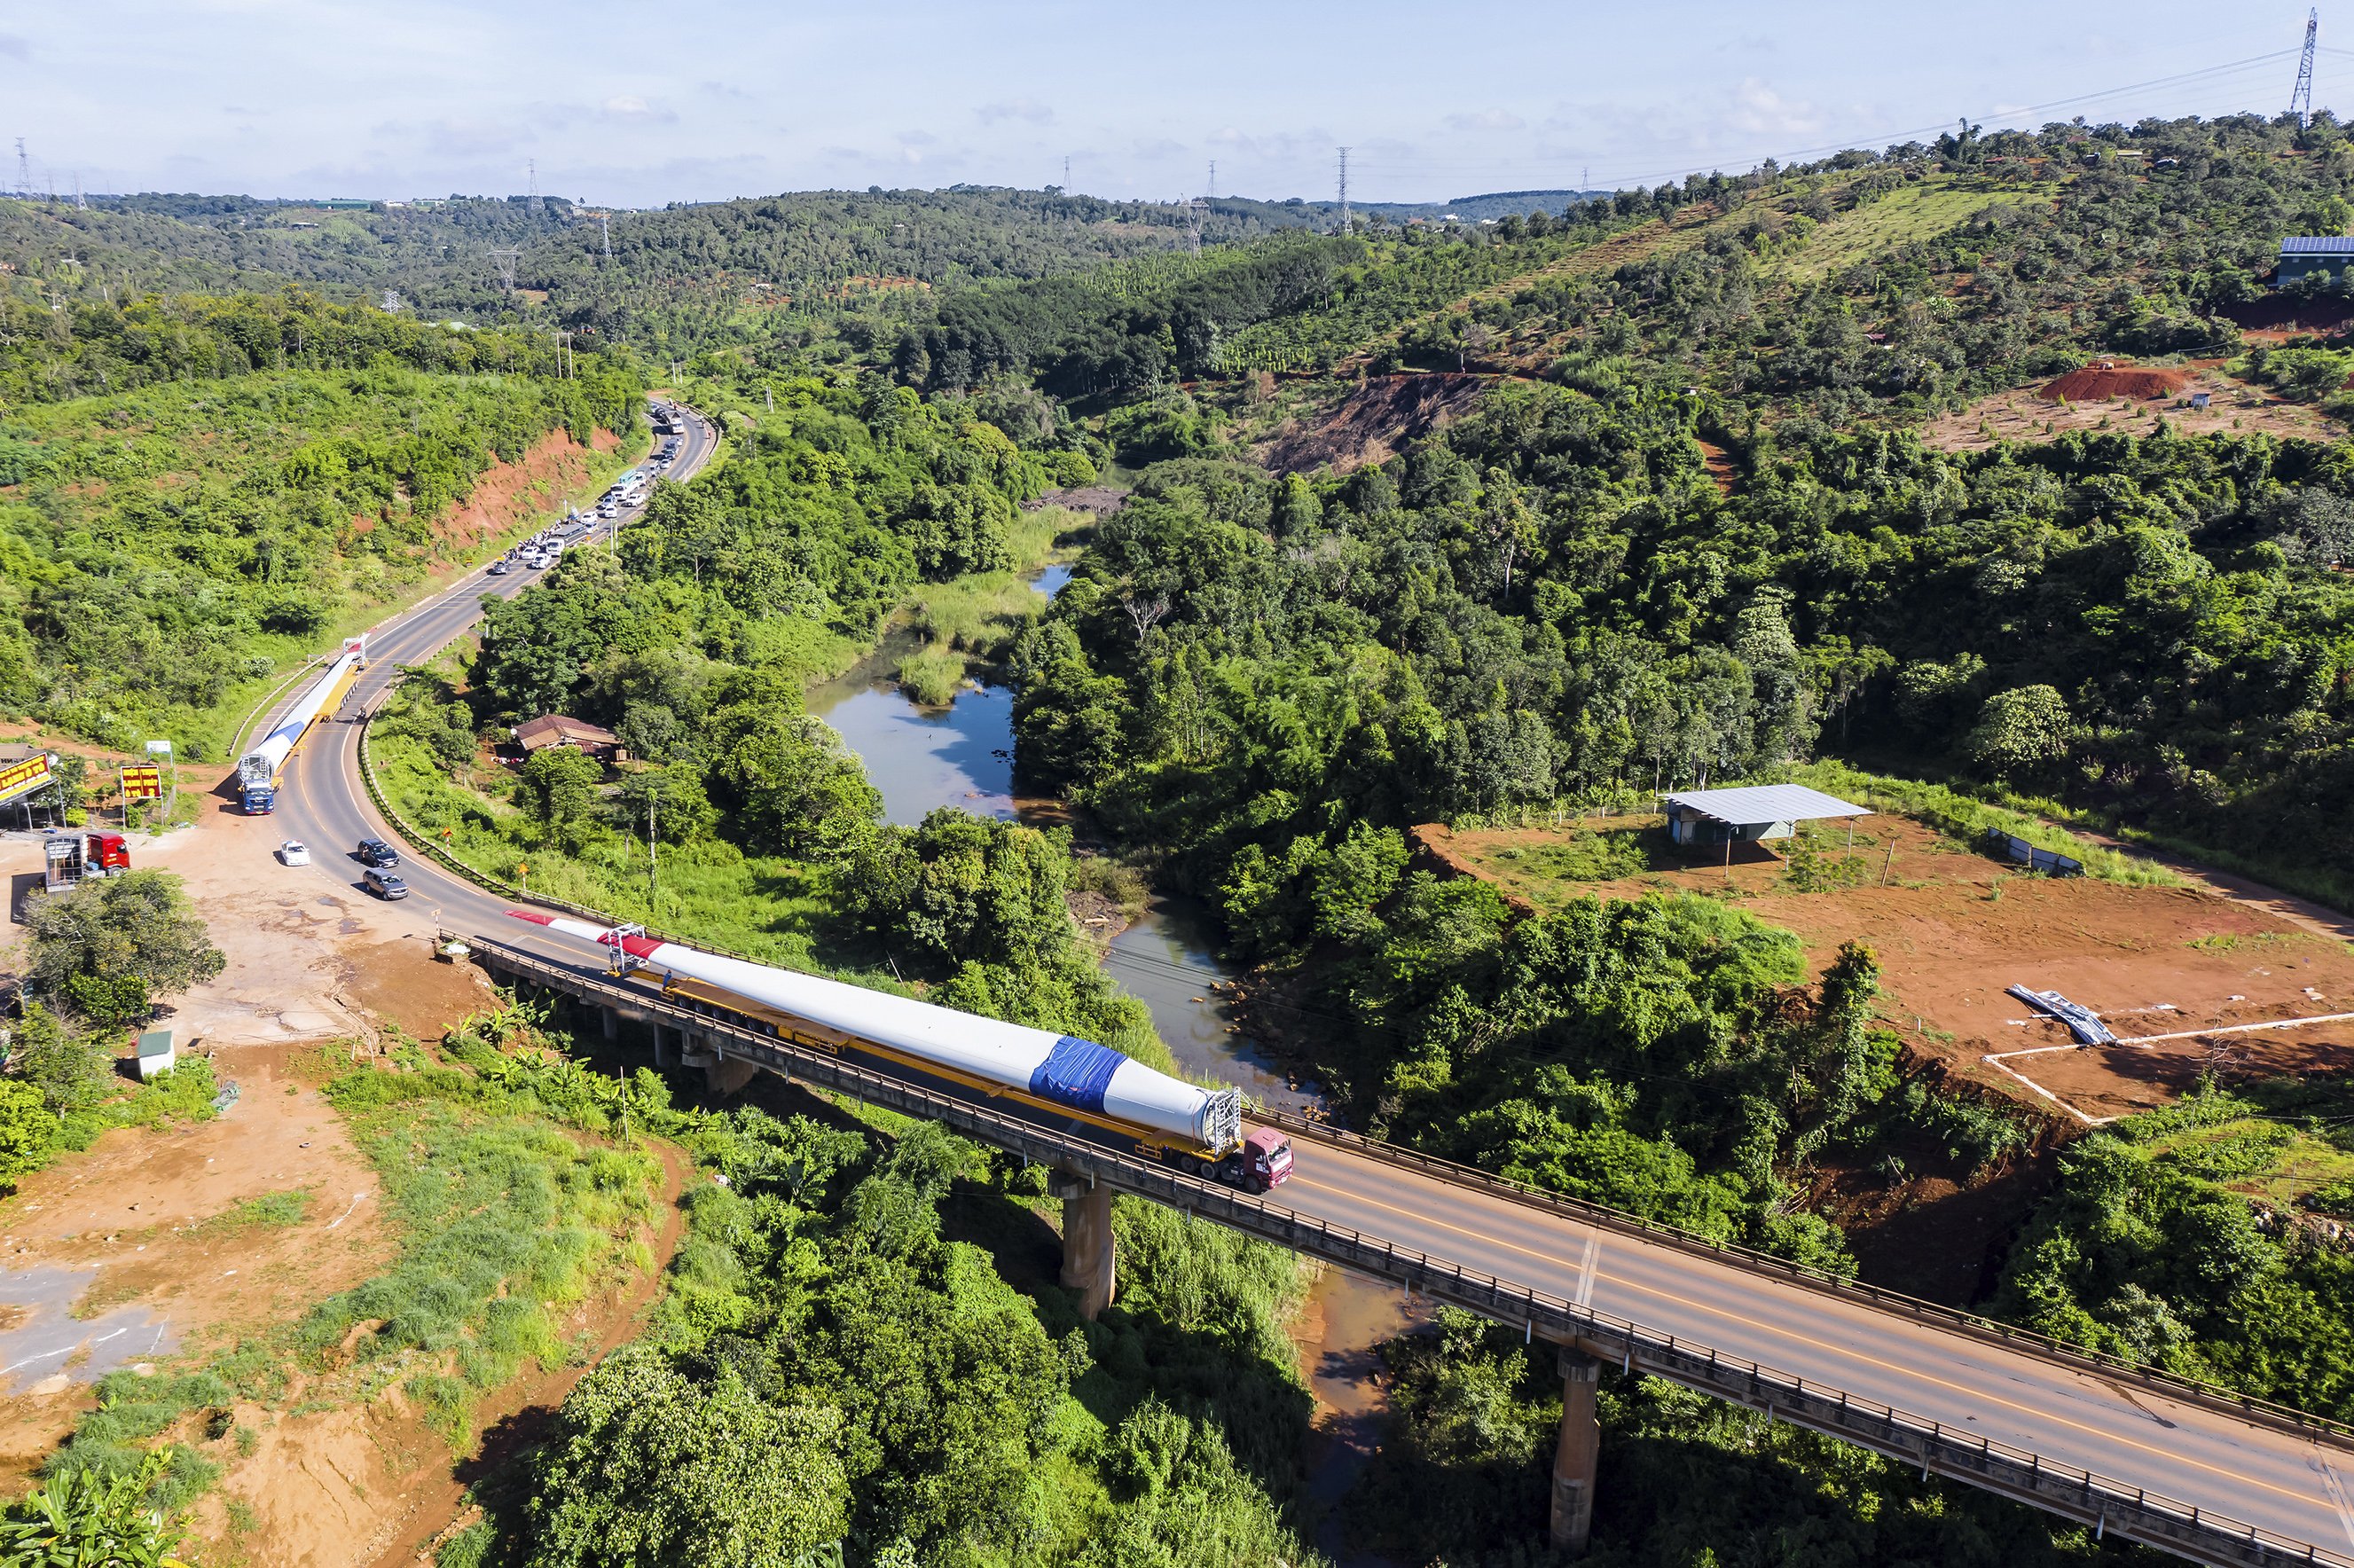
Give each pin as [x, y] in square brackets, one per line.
[972, 617]
[1916, 212]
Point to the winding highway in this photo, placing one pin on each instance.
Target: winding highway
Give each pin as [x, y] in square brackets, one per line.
[2296, 1487]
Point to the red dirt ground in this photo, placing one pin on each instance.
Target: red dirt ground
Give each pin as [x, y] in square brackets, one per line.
[1953, 928]
[2099, 384]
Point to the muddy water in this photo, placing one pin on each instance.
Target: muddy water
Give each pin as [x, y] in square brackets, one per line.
[962, 755]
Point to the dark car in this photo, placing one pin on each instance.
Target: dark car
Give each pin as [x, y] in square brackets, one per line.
[378, 853]
[384, 884]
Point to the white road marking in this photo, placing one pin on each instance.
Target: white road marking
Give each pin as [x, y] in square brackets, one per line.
[1586, 1271]
[2337, 1489]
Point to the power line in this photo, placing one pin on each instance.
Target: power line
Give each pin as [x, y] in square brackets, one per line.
[2300, 98]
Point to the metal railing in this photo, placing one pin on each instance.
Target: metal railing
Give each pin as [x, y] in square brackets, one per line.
[2106, 1505]
[2077, 1358]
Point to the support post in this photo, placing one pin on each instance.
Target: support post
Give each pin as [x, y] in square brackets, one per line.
[664, 1055]
[1087, 1240]
[724, 1074]
[1573, 1459]
[612, 1021]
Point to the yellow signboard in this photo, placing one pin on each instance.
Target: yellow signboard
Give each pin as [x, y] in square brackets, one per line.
[142, 783]
[23, 778]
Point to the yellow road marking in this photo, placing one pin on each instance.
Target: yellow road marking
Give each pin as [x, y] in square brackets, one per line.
[1835, 1349]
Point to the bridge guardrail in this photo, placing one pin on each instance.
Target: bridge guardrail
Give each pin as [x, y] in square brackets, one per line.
[2095, 1500]
[1988, 1329]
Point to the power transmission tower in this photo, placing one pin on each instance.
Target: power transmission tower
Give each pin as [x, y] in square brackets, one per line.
[506, 260]
[23, 172]
[531, 202]
[605, 222]
[2300, 100]
[81, 202]
[1066, 174]
[1344, 190]
[1212, 191]
[1194, 211]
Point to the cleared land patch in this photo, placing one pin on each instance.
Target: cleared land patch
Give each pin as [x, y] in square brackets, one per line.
[1953, 927]
[2023, 414]
[1918, 211]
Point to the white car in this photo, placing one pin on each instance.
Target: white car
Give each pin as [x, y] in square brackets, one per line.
[294, 852]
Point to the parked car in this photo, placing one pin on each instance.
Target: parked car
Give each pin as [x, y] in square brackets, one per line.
[294, 852]
[384, 884]
[376, 853]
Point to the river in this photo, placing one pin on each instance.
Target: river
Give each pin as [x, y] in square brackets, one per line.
[962, 755]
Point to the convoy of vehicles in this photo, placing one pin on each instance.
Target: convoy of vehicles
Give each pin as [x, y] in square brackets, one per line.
[1115, 1099]
[259, 770]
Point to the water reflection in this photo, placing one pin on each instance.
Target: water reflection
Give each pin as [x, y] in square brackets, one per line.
[961, 755]
[1168, 960]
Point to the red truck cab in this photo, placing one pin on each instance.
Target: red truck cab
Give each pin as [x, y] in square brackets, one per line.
[108, 853]
[1266, 1158]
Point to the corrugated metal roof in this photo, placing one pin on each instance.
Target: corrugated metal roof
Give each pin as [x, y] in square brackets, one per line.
[1767, 803]
[2317, 245]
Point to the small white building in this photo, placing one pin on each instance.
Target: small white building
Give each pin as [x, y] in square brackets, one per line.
[1752, 813]
[155, 1053]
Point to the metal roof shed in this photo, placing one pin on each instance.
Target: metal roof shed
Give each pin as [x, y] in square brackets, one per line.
[1754, 812]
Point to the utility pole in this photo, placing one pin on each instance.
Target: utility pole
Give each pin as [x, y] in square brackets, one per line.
[2300, 99]
[1344, 190]
[654, 870]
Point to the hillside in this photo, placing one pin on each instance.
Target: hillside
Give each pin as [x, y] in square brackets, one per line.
[167, 552]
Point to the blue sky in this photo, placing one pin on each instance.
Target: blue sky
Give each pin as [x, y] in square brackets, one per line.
[639, 104]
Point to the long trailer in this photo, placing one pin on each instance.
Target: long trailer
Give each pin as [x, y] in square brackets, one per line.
[258, 771]
[1121, 1100]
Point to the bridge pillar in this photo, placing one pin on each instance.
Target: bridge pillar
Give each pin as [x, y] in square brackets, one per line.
[1573, 1459]
[663, 1056]
[1087, 1240]
[613, 1022]
[724, 1074]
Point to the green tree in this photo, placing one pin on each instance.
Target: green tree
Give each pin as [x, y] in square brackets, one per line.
[2022, 735]
[562, 784]
[648, 1466]
[137, 927]
[27, 1127]
[85, 1520]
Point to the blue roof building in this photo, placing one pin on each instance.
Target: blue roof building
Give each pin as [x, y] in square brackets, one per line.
[2303, 255]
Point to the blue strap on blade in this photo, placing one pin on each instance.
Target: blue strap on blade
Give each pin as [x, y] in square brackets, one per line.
[1076, 1073]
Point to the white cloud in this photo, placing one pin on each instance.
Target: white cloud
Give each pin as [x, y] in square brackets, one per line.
[1025, 108]
[1759, 110]
[1487, 120]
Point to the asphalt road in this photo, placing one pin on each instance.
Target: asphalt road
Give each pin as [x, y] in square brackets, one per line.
[2290, 1486]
